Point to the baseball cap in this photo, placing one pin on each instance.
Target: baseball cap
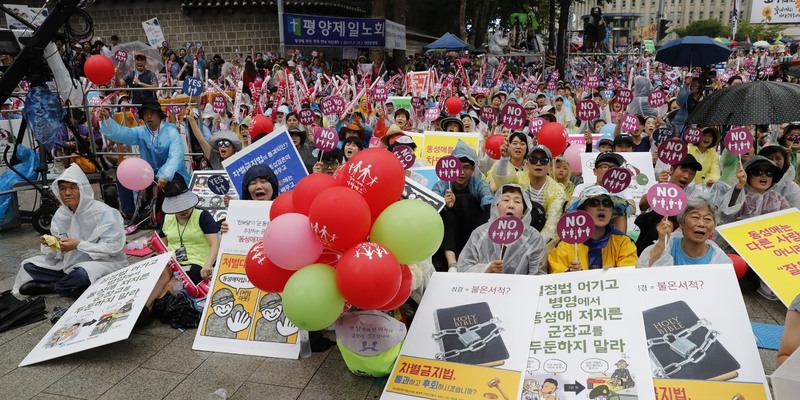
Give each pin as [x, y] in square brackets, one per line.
[619, 140]
[610, 156]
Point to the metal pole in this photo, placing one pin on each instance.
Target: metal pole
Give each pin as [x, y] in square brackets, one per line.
[282, 47]
[659, 17]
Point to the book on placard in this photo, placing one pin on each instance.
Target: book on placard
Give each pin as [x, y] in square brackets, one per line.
[669, 320]
[461, 318]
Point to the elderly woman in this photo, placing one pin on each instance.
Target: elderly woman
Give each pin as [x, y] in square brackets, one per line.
[689, 245]
[608, 247]
[786, 185]
[525, 256]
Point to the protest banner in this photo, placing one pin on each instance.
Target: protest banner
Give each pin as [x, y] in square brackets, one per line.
[152, 29]
[105, 313]
[439, 144]
[276, 151]
[770, 244]
[400, 102]
[395, 35]
[209, 200]
[419, 83]
[238, 317]
[332, 31]
[467, 339]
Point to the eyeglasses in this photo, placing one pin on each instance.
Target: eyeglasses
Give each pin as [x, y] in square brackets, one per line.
[224, 143]
[604, 167]
[539, 160]
[595, 202]
[331, 164]
[467, 167]
[762, 171]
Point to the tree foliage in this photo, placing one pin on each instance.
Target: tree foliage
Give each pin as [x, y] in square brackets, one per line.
[715, 28]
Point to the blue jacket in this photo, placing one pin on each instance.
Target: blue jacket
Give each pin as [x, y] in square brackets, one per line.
[478, 188]
[165, 153]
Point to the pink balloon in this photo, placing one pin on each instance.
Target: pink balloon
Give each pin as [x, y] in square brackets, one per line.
[573, 155]
[135, 174]
[290, 243]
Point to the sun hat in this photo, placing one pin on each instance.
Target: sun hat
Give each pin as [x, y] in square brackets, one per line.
[152, 106]
[178, 198]
[621, 206]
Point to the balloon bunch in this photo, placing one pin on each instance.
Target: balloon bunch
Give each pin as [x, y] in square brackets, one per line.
[347, 238]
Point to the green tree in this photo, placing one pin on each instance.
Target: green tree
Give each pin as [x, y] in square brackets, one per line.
[704, 27]
[757, 31]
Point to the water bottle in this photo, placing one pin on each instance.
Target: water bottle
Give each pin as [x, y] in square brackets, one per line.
[305, 343]
[177, 286]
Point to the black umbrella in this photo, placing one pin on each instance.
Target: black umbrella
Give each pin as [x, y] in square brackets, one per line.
[759, 102]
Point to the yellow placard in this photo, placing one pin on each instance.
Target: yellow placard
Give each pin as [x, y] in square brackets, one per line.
[771, 246]
[231, 281]
[439, 144]
[679, 389]
[432, 379]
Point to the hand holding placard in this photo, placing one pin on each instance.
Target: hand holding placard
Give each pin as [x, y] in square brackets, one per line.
[575, 227]
[667, 199]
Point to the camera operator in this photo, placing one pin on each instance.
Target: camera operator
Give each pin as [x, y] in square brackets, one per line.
[688, 98]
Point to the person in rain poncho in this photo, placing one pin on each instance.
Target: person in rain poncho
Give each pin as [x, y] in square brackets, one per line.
[690, 245]
[786, 186]
[91, 245]
[525, 256]
[640, 105]
[563, 112]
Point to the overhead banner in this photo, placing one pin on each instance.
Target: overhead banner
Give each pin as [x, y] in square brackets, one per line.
[238, 317]
[330, 31]
[395, 35]
[774, 12]
[770, 244]
[588, 340]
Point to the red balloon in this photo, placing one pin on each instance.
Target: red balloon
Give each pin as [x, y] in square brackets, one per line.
[99, 69]
[453, 105]
[377, 175]
[262, 272]
[739, 265]
[368, 275]
[328, 256]
[554, 136]
[282, 204]
[402, 293]
[260, 124]
[492, 146]
[307, 190]
[339, 217]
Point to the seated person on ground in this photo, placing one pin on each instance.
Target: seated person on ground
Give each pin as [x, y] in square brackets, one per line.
[602, 163]
[88, 243]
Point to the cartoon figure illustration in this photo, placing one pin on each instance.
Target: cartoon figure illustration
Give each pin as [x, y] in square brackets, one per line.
[548, 391]
[63, 335]
[228, 319]
[530, 389]
[273, 326]
[602, 392]
[622, 375]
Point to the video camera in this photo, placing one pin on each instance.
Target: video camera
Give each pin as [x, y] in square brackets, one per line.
[708, 75]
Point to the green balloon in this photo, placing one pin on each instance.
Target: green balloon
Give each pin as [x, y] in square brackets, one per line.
[311, 299]
[411, 229]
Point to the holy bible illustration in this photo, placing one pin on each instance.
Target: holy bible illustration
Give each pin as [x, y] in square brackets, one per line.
[675, 334]
[468, 334]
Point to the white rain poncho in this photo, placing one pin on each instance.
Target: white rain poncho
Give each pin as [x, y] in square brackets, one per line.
[98, 227]
[788, 188]
[525, 256]
[718, 256]
[640, 105]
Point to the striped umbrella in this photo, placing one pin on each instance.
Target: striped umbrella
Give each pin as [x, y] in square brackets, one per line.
[759, 102]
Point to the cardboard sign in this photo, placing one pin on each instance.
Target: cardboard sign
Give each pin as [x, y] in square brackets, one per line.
[219, 184]
[305, 116]
[575, 227]
[380, 93]
[418, 83]
[662, 134]
[617, 179]
[624, 96]
[591, 81]
[325, 139]
[416, 102]
[327, 106]
[238, 317]
[488, 114]
[210, 200]
[672, 151]
[436, 145]
[276, 151]
[763, 242]
[152, 30]
[416, 191]
[506, 230]
[667, 199]
[449, 168]
[693, 135]
[739, 141]
[513, 116]
[105, 313]
[432, 113]
[657, 98]
[535, 125]
[121, 56]
[192, 86]
[607, 94]
[218, 104]
[406, 155]
[552, 86]
[587, 110]
[630, 123]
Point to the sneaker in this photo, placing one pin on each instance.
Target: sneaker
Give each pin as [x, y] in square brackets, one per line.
[763, 290]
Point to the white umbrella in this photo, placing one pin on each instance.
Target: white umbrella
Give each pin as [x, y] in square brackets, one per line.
[154, 61]
[762, 44]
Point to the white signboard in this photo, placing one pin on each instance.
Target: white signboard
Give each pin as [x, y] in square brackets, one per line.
[33, 15]
[152, 29]
[775, 12]
[105, 313]
[395, 35]
[238, 317]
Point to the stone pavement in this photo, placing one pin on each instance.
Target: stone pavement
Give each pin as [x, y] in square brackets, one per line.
[157, 362]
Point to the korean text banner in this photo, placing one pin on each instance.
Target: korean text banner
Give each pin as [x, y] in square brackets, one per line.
[774, 12]
[771, 246]
[330, 31]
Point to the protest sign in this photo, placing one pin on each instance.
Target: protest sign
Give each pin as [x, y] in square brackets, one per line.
[332, 31]
[468, 339]
[209, 200]
[656, 98]
[575, 227]
[693, 135]
[429, 173]
[738, 141]
[512, 116]
[277, 151]
[406, 155]
[624, 96]
[418, 83]
[33, 15]
[238, 317]
[617, 179]
[416, 190]
[672, 151]
[436, 145]
[770, 244]
[667, 199]
[449, 168]
[325, 139]
[587, 110]
[579, 140]
[152, 29]
[105, 313]
[395, 35]
[400, 102]
[488, 114]
[630, 123]
[506, 230]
